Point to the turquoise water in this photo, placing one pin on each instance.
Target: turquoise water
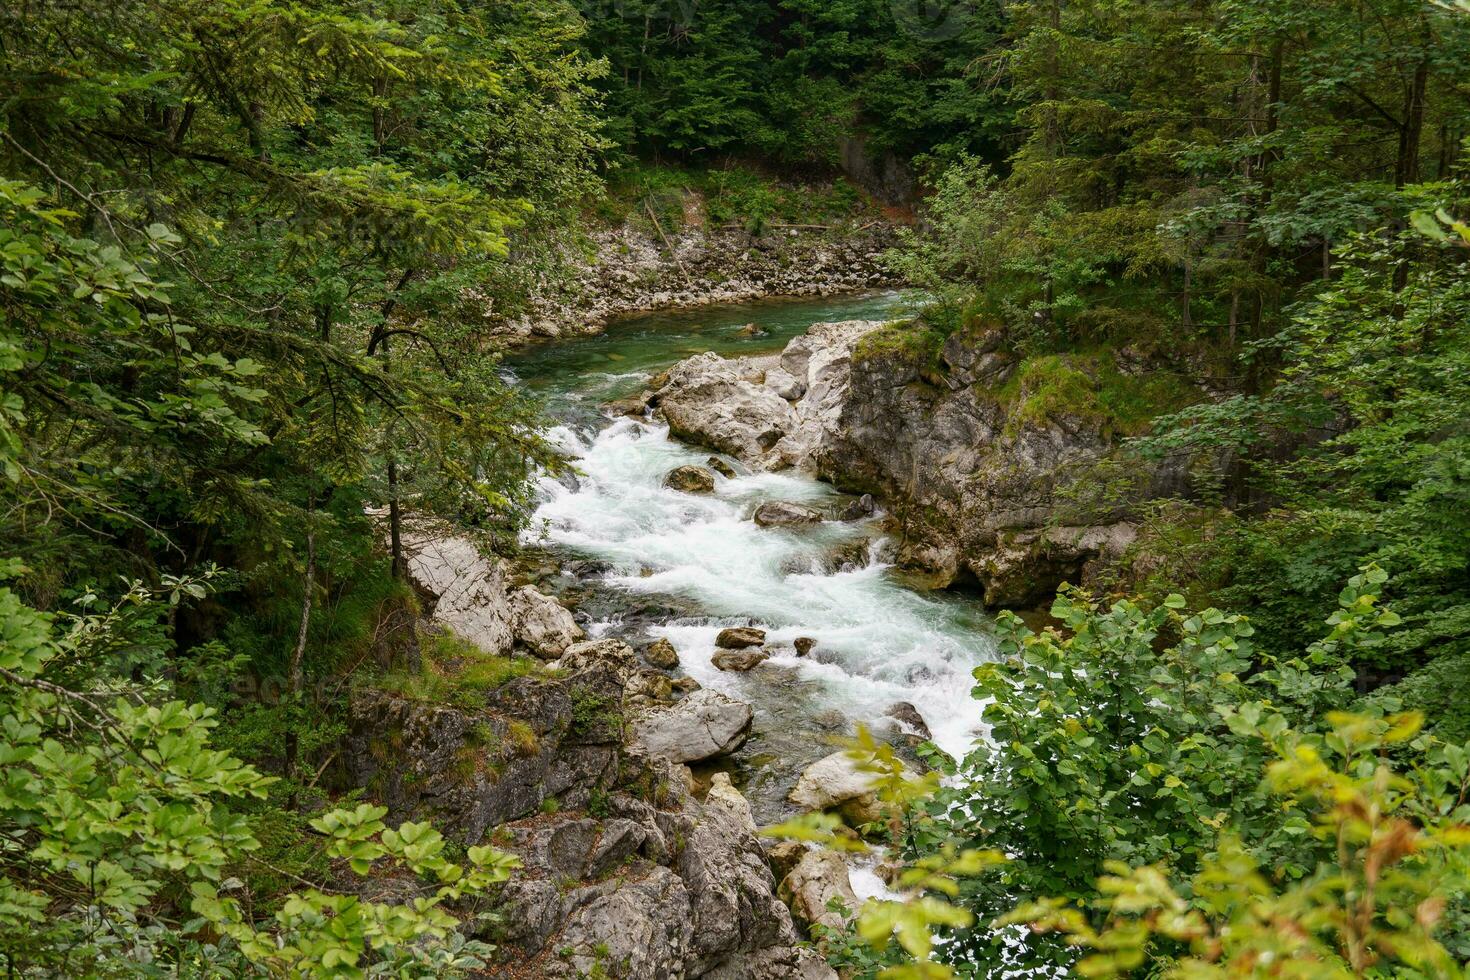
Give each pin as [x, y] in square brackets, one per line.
[578, 375]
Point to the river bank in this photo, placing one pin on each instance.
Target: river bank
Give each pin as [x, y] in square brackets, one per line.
[639, 268]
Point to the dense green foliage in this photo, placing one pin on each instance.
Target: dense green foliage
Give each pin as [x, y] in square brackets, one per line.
[1156, 810]
[794, 80]
[1245, 192]
[242, 247]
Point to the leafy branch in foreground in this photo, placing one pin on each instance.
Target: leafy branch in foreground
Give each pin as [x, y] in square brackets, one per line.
[1400, 849]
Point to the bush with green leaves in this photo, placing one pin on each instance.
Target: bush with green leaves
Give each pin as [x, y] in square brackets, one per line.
[1387, 899]
[1131, 737]
[119, 823]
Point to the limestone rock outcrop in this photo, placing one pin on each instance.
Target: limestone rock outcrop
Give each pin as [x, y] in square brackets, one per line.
[984, 485]
[703, 725]
[469, 593]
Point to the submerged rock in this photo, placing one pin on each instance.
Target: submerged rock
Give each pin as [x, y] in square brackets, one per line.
[908, 716]
[691, 479]
[739, 661]
[704, 725]
[661, 654]
[649, 684]
[781, 513]
[740, 637]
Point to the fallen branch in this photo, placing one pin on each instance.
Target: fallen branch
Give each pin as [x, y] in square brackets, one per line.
[688, 281]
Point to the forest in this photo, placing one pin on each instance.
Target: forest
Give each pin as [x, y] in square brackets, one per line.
[276, 279]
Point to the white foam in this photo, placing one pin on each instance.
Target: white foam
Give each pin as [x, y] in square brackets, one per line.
[877, 642]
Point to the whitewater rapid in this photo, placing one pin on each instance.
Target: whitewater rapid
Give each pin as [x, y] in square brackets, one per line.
[878, 642]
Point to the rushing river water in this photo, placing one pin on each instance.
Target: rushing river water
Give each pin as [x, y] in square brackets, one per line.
[680, 566]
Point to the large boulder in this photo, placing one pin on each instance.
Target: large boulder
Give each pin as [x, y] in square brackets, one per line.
[721, 467]
[819, 878]
[469, 590]
[704, 725]
[740, 637]
[541, 624]
[691, 479]
[771, 413]
[707, 400]
[836, 782]
[909, 718]
[782, 513]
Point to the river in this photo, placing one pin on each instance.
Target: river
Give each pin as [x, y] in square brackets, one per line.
[654, 562]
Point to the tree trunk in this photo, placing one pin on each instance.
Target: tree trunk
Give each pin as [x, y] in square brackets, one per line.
[395, 523]
[1185, 313]
[1407, 170]
[1411, 133]
[297, 679]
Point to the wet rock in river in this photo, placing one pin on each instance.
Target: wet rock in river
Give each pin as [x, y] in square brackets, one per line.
[684, 685]
[859, 509]
[909, 718]
[781, 513]
[739, 661]
[740, 637]
[721, 467]
[804, 645]
[702, 726]
[707, 401]
[691, 479]
[661, 654]
[633, 405]
[649, 684]
[846, 557]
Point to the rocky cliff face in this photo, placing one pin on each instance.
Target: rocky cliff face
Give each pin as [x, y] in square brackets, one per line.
[997, 472]
[633, 271]
[626, 873]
